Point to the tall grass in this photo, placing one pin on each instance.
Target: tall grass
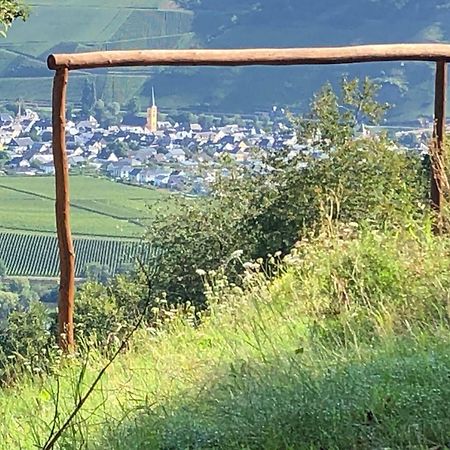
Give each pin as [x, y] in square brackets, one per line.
[348, 347]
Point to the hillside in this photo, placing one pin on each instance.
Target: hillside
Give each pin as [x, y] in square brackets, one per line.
[84, 25]
[291, 23]
[94, 25]
[347, 349]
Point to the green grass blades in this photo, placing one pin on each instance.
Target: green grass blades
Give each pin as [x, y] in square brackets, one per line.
[347, 348]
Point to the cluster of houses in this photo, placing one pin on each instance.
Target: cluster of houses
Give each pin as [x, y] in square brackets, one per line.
[167, 158]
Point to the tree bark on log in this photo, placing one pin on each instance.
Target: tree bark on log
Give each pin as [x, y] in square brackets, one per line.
[246, 57]
[437, 156]
[62, 207]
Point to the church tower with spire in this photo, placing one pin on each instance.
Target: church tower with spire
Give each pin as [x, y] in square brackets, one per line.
[152, 115]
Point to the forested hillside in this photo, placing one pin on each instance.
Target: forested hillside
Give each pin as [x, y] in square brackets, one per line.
[95, 25]
[285, 23]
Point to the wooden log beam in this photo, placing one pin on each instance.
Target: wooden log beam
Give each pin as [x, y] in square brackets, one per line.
[62, 206]
[248, 57]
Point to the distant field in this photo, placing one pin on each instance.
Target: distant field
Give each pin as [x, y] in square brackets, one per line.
[100, 207]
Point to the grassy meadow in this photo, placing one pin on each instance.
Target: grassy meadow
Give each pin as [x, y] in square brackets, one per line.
[348, 348]
[99, 206]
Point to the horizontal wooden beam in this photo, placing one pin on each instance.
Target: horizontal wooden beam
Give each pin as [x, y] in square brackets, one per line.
[248, 57]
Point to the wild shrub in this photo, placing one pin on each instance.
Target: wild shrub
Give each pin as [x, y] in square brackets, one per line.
[27, 342]
[336, 175]
[105, 313]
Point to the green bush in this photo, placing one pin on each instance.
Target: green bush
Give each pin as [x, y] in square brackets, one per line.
[259, 211]
[104, 314]
[27, 342]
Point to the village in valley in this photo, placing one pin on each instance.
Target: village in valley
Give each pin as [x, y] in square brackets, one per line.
[150, 152]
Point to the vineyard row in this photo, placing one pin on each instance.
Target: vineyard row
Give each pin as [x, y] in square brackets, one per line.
[33, 255]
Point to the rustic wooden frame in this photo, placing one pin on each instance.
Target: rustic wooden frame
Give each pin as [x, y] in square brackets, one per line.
[63, 63]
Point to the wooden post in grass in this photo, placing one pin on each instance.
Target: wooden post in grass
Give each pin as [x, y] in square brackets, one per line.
[62, 207]
[437, 155]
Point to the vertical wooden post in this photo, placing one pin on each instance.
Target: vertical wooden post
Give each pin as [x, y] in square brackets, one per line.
[66, 250]
[437, 154]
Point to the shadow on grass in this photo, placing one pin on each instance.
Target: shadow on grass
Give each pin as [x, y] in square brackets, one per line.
[396, 398]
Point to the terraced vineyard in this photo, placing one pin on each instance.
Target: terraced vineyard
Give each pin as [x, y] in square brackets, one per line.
[29, 255]
[86, 25]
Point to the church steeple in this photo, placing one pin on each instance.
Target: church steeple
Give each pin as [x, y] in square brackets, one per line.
[152, 115]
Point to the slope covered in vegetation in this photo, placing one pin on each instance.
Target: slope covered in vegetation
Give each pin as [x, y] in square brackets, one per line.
[304, 304]
[80, 26]
[346, 348]
[293, 23]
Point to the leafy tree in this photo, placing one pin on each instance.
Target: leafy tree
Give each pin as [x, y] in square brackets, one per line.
[133, 106]
[339, 175]
[88, 97]
[12, 108]
[237, 120]
[22, 287]
[97, 272]
[185, 118]
[2, 265]
[206, 121]
[10, 10]
[27, 344]
[9, 301]
[107, 114]
[114, 108]
[99, 106]
[334, 119]
[120, 148]
[50, 296]
[107, 312]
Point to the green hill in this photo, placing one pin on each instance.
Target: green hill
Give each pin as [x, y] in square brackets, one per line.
[84, 25]
[292, 23]
[94, 25]
[348, 349]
